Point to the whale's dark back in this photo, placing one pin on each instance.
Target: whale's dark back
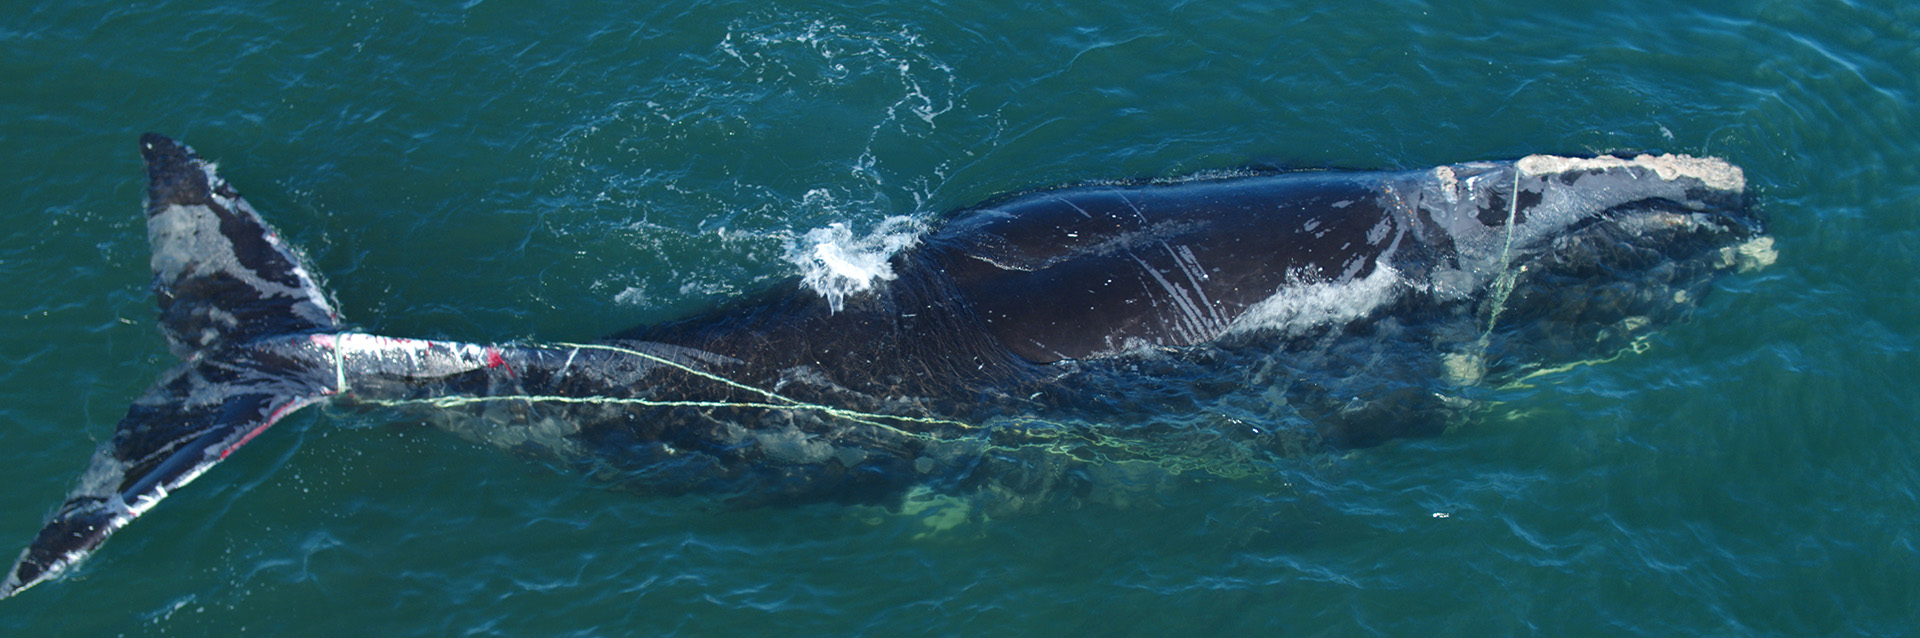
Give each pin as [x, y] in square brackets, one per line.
[1085, 272]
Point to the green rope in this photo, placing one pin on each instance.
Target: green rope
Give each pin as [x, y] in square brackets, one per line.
[1503, 285]
[851, 415]
[780, 402]
[1077, 443]
[683, 368]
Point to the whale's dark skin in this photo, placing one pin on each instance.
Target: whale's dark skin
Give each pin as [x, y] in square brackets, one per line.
[1013, 347]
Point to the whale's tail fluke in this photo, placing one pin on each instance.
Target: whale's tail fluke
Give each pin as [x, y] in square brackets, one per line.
[221, 275]
[250, 324]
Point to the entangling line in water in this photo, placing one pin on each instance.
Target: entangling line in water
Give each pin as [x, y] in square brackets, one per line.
[777, 401]
[1066, 441]
[1503, 284]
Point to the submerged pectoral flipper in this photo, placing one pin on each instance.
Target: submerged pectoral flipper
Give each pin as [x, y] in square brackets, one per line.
[237, 306]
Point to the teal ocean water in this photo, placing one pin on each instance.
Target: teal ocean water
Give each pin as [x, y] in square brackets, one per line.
[496, 170]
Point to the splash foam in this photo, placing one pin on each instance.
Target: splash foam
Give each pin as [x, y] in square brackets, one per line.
[837, 265]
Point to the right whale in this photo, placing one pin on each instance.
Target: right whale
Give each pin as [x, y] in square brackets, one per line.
[1053, 342]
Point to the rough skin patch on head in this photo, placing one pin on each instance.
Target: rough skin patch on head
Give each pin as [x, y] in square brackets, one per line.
[1712, 171]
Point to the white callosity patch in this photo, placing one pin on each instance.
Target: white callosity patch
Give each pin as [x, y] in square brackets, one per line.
[1449, 183]
[1530, 205]
[1711, 171]
[837, 265]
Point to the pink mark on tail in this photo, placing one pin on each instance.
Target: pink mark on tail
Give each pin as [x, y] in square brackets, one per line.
[495, 360]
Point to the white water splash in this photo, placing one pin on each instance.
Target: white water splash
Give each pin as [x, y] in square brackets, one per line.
[836, 264]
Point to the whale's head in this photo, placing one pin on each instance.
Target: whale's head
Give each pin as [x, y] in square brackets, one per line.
[1571, 258]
